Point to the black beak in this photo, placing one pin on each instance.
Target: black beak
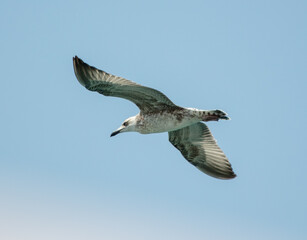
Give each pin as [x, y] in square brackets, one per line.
[115, 133]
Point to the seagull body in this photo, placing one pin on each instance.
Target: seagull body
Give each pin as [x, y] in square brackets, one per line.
[165, 121]
[159, 114]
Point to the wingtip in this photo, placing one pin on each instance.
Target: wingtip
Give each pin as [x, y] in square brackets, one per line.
[76, 59]
[233, 176]
[77, 63]
[229, 176]
[218, 175]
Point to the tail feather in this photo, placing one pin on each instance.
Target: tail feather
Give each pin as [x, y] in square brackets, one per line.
[214, 115]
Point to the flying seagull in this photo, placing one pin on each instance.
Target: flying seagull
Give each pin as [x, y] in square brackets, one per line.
[159, 114]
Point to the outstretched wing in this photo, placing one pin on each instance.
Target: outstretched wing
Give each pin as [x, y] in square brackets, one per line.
[199, 147]
[147, 99]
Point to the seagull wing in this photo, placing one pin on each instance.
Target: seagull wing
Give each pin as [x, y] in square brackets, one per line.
[199, 147]
[147, 99]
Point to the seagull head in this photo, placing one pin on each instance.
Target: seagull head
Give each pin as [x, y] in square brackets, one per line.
[127, 126]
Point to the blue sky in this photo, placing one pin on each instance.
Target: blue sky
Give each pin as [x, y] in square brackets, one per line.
[63, 177]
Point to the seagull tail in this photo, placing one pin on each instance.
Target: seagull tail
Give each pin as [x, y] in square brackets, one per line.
[214, 115]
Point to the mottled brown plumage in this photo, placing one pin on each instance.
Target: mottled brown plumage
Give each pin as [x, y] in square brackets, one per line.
[159, 114]
[197, 145]
[147, 99]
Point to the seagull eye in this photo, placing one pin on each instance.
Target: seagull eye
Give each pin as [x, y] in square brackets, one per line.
[125, 124]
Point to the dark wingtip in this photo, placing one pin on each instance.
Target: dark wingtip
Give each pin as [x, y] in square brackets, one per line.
[78, 66]
[76, 59]
[227, 177]
[233, 176]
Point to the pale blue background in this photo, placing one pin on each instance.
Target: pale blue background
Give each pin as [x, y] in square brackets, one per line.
[62, 176]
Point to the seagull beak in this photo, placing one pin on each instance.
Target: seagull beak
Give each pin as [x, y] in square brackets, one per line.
[115, 133]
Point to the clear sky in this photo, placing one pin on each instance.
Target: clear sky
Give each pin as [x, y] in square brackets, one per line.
[62, 176]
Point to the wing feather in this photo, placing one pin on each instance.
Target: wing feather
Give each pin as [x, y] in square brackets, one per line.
[198, 146]
[147, 99]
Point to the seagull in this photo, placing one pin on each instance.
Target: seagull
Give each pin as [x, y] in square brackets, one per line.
[185, 127]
